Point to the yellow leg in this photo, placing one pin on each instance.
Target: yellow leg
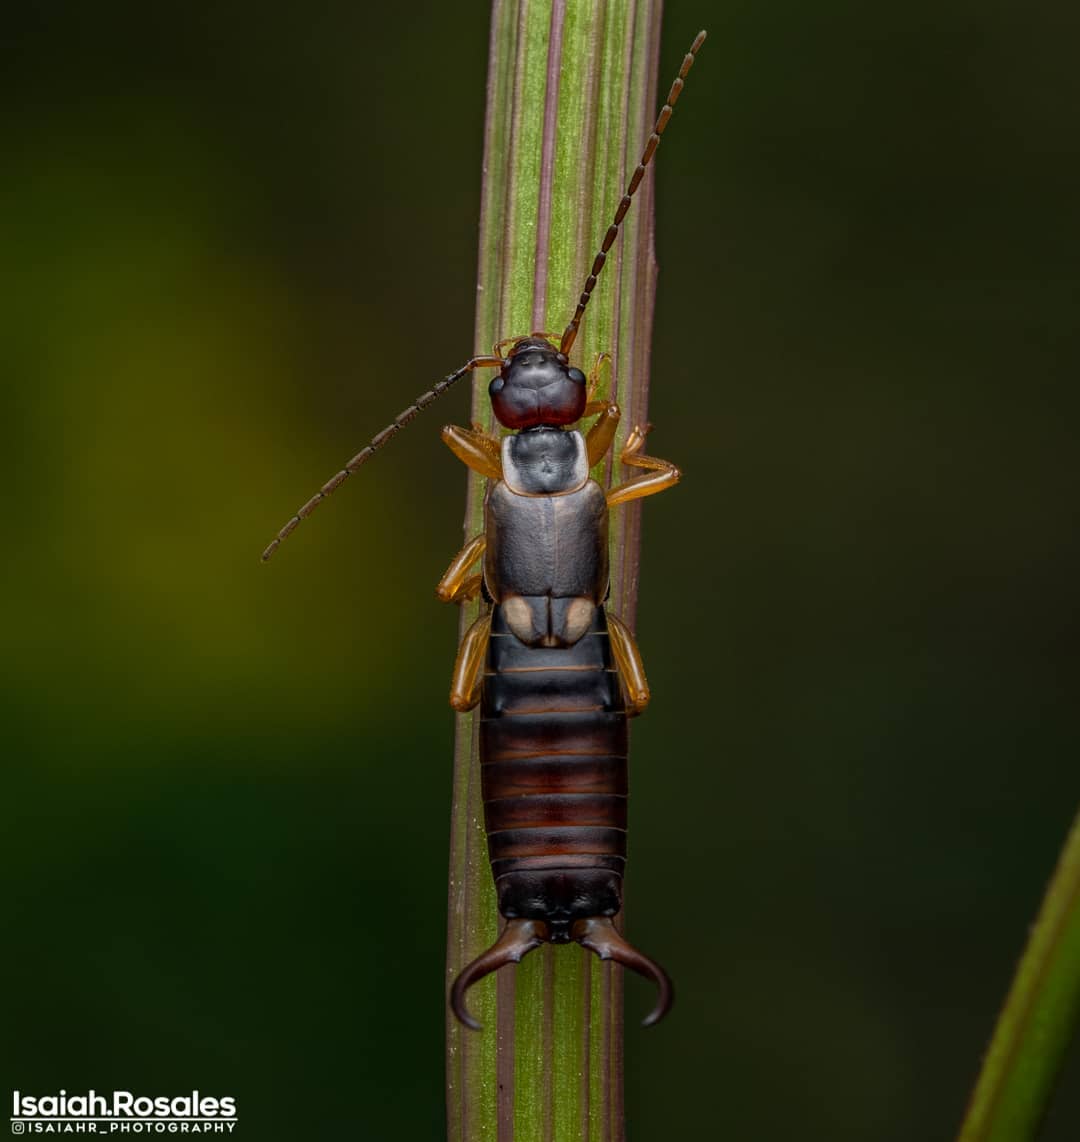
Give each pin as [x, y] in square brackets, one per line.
[468, 669]
[482, 453]
[631, 669]
[457, 585]
[602, 359]
[598, 439]
[661, 474]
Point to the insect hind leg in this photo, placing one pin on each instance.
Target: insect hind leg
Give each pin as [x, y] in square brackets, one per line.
[624, 647]
[465, 685]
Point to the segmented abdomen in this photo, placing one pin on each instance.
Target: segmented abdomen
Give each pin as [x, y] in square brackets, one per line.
[553, 747]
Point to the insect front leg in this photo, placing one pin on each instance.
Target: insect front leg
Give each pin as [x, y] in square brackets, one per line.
[473, 446]
[599, 437]
[631, 669]
[593, 406]
[457, 585]
[661, 474]
[469, 666]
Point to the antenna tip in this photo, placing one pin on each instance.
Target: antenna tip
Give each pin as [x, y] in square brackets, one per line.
[700, 39]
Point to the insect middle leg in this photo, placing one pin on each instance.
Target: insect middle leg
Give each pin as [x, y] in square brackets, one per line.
[661, 474]
[457, 585]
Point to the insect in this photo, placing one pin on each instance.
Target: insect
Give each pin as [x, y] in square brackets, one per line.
[555, 675]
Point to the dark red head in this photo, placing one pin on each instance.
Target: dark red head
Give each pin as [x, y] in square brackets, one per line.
[536, 386]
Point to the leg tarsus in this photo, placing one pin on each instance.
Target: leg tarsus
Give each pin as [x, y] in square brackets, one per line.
[469, 590]
[634, 444]
[594, 377]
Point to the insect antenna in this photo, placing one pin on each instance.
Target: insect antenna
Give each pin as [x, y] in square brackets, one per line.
[374, 444]
[571, 331]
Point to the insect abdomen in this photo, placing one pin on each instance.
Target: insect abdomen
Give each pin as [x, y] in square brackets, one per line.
[553, 748]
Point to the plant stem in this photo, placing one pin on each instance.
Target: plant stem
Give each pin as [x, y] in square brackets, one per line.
[1038, 1019]
[571, 98]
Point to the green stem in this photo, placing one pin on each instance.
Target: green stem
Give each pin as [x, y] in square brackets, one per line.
[571, 99]
[1038, 1019]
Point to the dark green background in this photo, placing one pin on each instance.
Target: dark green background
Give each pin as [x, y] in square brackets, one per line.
[235, 241]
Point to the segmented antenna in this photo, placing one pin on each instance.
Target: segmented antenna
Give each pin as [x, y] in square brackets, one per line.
[571, 331]
[376, 442]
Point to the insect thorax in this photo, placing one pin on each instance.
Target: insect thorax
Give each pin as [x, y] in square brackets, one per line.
[546, 525]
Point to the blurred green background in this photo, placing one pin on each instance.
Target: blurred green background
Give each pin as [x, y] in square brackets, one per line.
[236, 240]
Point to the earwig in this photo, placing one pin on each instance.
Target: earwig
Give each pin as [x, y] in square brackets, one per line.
[555, 675]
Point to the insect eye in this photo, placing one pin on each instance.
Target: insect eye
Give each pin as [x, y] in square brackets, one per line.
[496, 386]
[577, 376]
